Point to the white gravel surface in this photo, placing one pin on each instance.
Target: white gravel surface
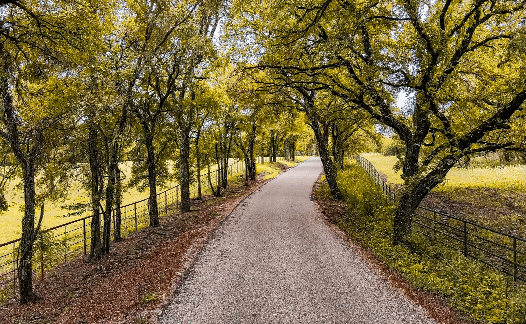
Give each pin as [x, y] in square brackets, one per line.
[274, 260]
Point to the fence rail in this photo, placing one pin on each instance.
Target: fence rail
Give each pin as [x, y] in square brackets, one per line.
[67, 241]
[504, 252]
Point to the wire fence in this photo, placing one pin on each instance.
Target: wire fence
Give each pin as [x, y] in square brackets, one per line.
[65, 242]
[501, 251]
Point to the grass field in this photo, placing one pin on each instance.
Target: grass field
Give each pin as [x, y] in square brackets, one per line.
[56, 212]
[507, 177]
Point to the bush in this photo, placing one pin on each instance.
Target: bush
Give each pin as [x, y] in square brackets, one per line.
[49, 250]
[470, 286]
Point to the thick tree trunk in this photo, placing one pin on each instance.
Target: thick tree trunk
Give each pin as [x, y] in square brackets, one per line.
[117, 233]
[25, 267]
[413, 196]
[152, 181]
[95, 245]
[28, 165]
[184, 169]
[322, 139]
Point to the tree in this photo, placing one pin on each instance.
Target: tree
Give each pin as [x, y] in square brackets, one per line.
[40, 48]
[449, 59]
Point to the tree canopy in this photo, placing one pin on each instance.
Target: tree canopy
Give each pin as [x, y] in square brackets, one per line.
[174, 87]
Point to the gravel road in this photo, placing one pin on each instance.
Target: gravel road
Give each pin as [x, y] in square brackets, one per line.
[274, 260]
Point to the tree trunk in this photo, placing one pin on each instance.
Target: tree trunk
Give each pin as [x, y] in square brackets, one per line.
[25, 266]
[273, 145]
[286, 148]
[95, 245]
[117, 233]
[152, 181]
[413, 195]
[226, 157]
[251, 165]
[293, 150]
[106, 231]
[198, 164]
[322, 140]
[184, 169]
[214, 192]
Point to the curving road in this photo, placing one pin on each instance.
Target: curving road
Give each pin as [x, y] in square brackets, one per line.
[274, 260]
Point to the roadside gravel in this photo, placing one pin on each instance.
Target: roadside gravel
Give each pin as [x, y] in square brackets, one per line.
[274, 260]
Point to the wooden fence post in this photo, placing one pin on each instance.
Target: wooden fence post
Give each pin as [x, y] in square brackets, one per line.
[42, 257]
[135, 209]
[84, 231]
[65, 243]
[15, 266]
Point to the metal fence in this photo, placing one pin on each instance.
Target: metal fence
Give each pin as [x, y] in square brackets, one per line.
[68, 241]
[504, 252]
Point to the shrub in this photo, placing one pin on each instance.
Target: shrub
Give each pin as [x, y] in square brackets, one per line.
[470, 286]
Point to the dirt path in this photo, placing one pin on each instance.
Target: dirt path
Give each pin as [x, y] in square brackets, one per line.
[274, 260]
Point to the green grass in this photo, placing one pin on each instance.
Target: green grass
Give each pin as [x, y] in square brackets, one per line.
[470, 286]
[506, 177]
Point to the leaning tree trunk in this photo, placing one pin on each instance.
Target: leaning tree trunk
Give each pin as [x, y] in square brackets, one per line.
[413, 196]
[328, 165]
[95, 245]
[25, 266]
[152, 181]
[184, 169]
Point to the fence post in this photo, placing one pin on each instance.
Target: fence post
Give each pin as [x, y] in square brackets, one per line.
[135, 209]
[84, 230]
[465, 238]
[65, 243]
[42, 257]
[514, 259]
[15, 265]
[177, 196]
[165, 204]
